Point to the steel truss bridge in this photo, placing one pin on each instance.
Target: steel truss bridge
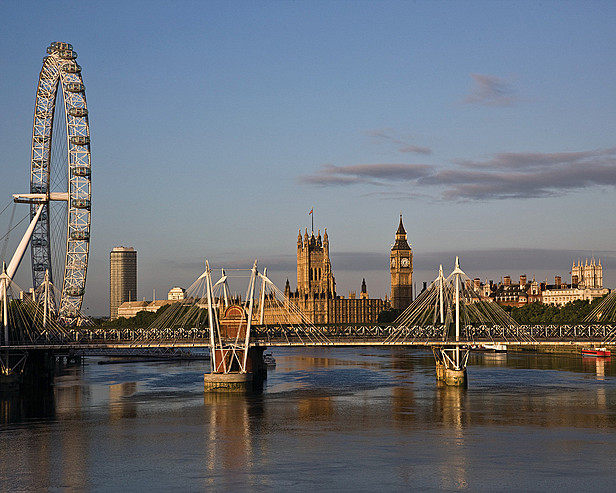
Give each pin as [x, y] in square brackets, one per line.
[291, 335]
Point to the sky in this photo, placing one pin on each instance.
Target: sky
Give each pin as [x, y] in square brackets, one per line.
[217, 126]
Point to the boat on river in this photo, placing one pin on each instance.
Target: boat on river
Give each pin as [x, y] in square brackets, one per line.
[598, 352]
[490, 348]
[269, 360]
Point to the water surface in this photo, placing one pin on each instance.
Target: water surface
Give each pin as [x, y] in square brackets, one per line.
[332, 419]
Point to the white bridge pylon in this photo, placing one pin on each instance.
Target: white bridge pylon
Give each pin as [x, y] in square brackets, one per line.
[452, 309]
[229, 322]
[230, 349]
[452, 302]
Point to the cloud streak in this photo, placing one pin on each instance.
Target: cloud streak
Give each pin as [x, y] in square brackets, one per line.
[366, 173]
[489, 90]
[502, 176]
[402, 143]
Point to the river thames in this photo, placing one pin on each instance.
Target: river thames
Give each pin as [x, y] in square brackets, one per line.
[328, 419]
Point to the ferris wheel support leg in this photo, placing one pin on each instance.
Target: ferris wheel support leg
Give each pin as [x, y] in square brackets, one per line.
[5, 311]
[23, 244]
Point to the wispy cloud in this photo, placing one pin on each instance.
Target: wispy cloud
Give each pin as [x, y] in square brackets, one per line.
[502, 176]
[524, 175]
[366, 173]
[522, 160]
[489, 90]
[402, 143]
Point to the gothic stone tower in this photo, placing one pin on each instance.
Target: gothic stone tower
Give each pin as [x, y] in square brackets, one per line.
[314, 268]
[401, 269]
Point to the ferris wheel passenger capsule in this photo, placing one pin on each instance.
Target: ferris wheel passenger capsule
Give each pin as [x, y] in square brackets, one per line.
[71, 68]
[80, 203]
[80, 140]
[75, 87]
[75, 291]
[80, 112]
[80, 236]
[68, 54]
[81, 171]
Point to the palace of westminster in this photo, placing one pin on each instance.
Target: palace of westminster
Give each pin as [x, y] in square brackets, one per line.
[315, 294]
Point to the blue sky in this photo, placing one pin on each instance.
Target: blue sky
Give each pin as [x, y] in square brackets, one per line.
[216, 126]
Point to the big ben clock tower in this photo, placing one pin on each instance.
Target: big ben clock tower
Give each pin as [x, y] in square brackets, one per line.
[401, 268]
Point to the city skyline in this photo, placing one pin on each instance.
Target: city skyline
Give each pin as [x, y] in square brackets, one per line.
[217, 127]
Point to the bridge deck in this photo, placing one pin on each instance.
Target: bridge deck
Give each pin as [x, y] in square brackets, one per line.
[346, 342]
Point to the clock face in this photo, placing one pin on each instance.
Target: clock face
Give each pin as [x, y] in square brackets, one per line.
[405, 262]
[393, 262]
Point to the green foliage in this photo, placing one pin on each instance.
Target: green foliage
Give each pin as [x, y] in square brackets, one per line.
[187, 316]
[388, 316]
[540, 314]
[141, 320]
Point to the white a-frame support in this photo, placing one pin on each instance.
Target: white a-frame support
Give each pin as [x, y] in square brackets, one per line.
[226, 352]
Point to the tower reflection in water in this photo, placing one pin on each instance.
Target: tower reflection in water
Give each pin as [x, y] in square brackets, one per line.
[120, 406]
[452, 407]
[231, 443]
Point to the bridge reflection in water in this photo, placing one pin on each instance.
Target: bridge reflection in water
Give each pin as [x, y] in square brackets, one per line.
[351, 414]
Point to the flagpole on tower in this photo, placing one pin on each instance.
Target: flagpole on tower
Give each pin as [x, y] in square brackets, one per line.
[311, 214]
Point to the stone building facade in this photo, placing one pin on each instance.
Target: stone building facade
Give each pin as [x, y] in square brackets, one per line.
[316, 295]
[586, 284]
[589, 275]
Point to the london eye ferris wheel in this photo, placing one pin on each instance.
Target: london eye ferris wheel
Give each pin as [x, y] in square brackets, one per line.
[60, 180]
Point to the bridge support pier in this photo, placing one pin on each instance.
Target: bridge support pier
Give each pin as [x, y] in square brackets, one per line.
[233, 380]
[451, 365]
[21, 370]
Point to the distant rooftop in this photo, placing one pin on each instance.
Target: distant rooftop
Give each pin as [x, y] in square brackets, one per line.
[123, 249]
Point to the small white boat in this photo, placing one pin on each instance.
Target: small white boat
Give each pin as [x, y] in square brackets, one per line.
[269, 360]
[494, 348]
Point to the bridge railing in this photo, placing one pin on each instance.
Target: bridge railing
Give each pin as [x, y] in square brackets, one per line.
[324, 333]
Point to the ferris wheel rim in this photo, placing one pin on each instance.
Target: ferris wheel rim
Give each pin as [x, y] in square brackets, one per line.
[60, 72]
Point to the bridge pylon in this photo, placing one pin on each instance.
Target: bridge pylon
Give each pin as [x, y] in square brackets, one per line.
[451, 362]
[235, 366]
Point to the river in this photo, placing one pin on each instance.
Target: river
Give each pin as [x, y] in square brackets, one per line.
[346, 419]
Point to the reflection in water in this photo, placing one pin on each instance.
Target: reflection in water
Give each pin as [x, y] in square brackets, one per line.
[232, 421]
[452, 405]
[315, 409]
[120, 406]
[356, 418]
[599, 366]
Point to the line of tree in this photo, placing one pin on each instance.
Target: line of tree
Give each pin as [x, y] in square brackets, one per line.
[539, 314]
[532, 314]
[141, 320]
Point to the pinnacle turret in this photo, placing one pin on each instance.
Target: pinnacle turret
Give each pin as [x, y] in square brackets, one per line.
[401, 230]
[401, 241]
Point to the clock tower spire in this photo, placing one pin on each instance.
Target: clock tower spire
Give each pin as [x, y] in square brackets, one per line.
[401, 269]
